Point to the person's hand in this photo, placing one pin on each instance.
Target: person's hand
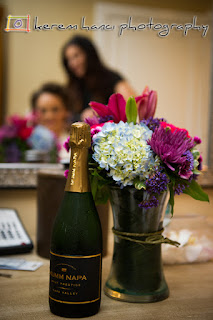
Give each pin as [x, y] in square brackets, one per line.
[87, 113]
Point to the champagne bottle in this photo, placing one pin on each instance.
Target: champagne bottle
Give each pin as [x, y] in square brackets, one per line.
[76, 245]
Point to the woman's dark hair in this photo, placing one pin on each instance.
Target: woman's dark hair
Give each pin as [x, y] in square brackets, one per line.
[93, 60]
[52, 88]
[98, 82]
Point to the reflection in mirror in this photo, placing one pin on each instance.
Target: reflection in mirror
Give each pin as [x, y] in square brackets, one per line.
[176, 66]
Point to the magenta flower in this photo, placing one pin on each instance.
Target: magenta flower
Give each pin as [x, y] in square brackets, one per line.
[116, 107]
[66, 172]
[17, 121]
[200, 160]
[66, 144]
[97, 128]
[20, 125]
[147, 103]
[197, 140]
[25, 132]
[173, 128]
[7, 132]
[172, 147]
[101, 109]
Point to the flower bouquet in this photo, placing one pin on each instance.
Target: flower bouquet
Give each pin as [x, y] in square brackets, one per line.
[21, 134]
[138, 162]
[13, 139]
[150, 155]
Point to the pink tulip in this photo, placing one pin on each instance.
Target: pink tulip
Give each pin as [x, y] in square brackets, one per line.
[116, 108]
[147, 103]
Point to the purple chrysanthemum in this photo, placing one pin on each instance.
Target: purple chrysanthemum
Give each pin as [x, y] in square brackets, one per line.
[153, 123]
[157, 183]
[171, 145]
[147, 204]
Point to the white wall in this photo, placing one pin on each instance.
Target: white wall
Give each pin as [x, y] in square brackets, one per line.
[177, 67]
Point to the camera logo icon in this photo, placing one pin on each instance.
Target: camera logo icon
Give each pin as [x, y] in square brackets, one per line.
[18, 23]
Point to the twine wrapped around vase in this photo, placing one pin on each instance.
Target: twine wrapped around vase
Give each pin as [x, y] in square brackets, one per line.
[150, 238]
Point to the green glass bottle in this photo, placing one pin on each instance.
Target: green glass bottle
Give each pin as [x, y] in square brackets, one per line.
[76, 245]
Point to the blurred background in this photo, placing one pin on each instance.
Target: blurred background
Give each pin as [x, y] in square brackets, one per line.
[179, 68]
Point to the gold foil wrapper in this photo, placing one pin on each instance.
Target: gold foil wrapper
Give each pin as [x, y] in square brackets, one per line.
[80, 141]
[80, 135]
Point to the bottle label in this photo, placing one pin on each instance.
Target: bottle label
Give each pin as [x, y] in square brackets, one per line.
[78, 179]
[75, 279]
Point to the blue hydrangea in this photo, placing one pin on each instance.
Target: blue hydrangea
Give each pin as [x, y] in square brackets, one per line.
[122, 150]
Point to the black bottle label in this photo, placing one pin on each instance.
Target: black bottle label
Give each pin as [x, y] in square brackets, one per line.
[75, 279]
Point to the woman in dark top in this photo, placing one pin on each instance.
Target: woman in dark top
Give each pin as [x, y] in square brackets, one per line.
[89, 79]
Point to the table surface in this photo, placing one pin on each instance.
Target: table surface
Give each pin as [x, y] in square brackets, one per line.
[25, 294]
[24, 175]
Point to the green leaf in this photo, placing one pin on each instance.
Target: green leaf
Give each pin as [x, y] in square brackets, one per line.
[171, 199]
[102, 195]
[95, 173]
[195, 171]
[139, 184]
[195, 153]
[94, 185]
[196, 163]
[99, 184]
[131, 110]
[195, 191]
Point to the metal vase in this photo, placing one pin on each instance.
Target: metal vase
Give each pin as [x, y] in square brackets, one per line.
[137, 271]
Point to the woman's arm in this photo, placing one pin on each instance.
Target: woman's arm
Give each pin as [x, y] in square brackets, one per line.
[124, 88]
